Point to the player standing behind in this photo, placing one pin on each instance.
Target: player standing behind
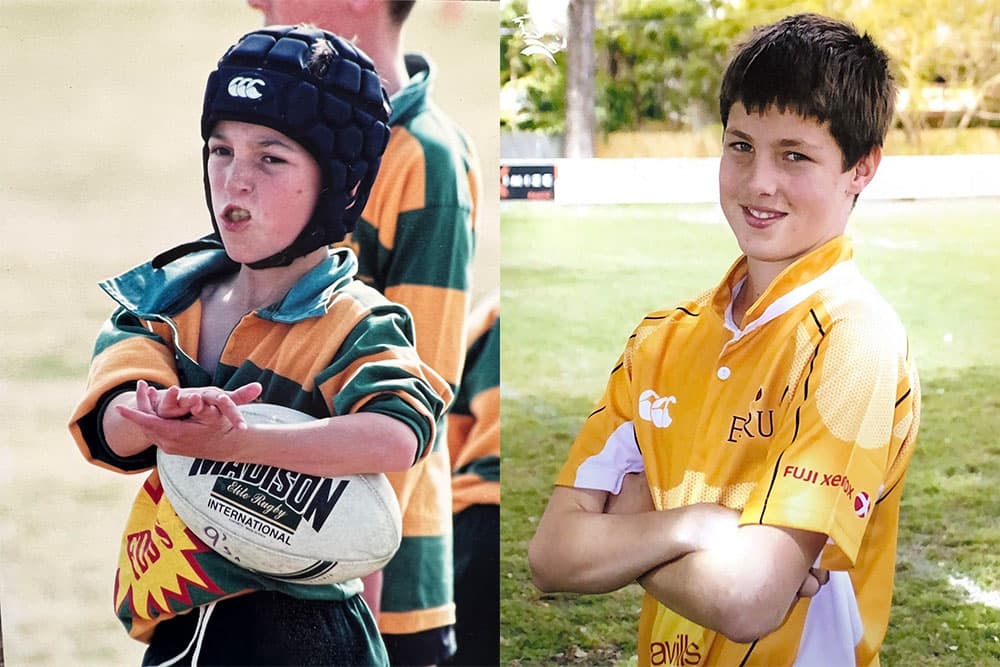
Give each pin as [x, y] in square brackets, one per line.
[474, 443]
[415, 244]
[774, 416]
[294, 124]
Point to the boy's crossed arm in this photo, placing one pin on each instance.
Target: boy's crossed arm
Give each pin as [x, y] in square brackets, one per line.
[579, 547]
[696, 560]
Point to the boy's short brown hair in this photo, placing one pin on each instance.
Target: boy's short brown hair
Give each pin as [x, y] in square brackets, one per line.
[399, 10]
[820, 68]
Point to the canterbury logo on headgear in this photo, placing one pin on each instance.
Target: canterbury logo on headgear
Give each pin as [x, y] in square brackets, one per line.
[245, 86]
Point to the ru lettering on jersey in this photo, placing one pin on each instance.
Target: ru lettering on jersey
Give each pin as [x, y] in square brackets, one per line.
[757, 423]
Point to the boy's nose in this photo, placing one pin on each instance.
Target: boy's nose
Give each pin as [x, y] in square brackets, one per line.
[762, 177]
[238, 178]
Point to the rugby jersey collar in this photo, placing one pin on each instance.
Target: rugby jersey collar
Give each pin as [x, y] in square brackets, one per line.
[825, 266]
[167, 291]
[411, 99]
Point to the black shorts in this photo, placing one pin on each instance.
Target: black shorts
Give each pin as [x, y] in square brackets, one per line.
[430, 647]
[270, 629]
[477, 586]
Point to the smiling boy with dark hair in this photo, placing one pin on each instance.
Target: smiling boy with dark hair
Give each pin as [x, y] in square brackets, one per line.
[772, 418]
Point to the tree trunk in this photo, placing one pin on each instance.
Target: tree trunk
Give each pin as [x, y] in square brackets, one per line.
[580, 79]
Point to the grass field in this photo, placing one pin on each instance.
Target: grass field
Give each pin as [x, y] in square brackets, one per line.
[101, 170]
[576, 280]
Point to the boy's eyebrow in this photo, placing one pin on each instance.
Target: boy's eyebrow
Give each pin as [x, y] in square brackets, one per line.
[794, 143]
[266, 142]
[273, 141]
[781, 143]
[741, 135]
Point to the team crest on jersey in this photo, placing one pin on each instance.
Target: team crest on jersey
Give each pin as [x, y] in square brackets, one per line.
[655, 408]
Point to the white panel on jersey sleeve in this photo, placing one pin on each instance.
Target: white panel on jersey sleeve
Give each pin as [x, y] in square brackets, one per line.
[833, 625]
[605, 470]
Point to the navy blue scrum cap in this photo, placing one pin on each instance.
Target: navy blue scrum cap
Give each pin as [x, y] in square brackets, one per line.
[321, 91]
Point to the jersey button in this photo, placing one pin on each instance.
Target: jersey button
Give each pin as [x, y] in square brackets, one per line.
[724, 372]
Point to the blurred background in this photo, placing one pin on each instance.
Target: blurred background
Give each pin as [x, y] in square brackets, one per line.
[101, 170]
[640, 78]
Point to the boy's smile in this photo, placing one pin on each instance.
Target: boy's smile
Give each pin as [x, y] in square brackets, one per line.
[761, 218]
[783, 188]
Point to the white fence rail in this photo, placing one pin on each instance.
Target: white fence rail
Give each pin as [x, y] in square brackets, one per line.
[695, 180]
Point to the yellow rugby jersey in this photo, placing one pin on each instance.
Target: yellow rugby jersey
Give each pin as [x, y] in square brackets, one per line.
[804, 418]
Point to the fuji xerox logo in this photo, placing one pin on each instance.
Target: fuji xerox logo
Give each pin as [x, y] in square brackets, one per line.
[862, 501]
[654, 408]
[245, 86]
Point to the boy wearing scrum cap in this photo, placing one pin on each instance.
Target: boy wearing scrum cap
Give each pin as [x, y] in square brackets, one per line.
[415, 242]
[294, 124]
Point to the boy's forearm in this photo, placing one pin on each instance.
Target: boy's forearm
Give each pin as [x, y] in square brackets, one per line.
[743, 588]
[123, 437]
[578, 548]
[364, 442]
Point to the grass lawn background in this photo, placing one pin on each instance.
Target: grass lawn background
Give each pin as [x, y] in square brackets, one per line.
[576, 280]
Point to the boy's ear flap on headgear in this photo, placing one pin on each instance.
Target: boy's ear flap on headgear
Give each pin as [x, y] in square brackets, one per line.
[324, 93]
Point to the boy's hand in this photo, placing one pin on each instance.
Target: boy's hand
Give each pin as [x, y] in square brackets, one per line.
[191, 421]
[711, 526]
[707, 525]
[193, 402]
[815, 580]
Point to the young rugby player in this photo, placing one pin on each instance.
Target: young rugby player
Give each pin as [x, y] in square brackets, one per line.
[294, 124]
[415, 243]
[773, 417]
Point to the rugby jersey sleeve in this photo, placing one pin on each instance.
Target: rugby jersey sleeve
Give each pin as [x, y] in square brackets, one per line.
[422, 218]
[606, 448]
[847, 438]
[474, 418]
[433, 247]
[378, 370]
[127, 350]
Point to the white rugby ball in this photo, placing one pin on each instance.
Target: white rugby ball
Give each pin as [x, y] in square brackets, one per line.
[288, 525]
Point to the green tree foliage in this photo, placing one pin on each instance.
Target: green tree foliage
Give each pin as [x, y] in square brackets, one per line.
[947, 59]
[659, 62]
[532, 73]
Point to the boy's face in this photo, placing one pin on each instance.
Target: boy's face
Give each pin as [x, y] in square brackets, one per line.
[782, 186]
[264, 188]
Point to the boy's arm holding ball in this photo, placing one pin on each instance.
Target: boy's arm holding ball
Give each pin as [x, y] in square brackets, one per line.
[205, 422]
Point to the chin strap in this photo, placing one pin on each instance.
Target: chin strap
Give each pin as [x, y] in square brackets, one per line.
[326, 226]
[210, 242]
[310, 239]
[301, 247]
